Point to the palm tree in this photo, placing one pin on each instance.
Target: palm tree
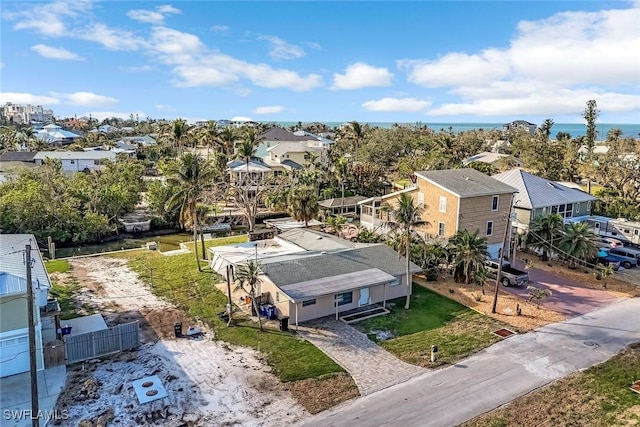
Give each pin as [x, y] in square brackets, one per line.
[228, 140]
[578, 242]
[248, 148]
[357, 132]
[202, 212]
[604, 271]
[336, 223]
[538, 294]
[192, 176]
[178, 134]
[470, 253]
[403, 218]
[303, 203]
[542, 232]
[341, 171]
[209, 135]
[247, 278]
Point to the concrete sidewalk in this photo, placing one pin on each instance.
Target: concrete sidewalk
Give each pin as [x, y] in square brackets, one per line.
[15, 397]
[496, 375]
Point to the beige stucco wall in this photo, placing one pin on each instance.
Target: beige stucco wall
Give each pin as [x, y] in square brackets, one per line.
[475, 212]
[324, 306]
[13, 314]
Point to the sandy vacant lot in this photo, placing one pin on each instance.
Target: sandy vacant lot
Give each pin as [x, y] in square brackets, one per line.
[208, 383]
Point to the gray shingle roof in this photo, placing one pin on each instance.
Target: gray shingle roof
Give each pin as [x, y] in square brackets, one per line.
[280, 134]
[18, 156]
[336, 263]
[291, 164]
[536, 192]
[337, 202]
[466, 182]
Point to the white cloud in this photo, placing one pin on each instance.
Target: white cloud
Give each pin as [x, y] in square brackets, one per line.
[360, 75]
[101, 115]
[268, 109]
[224, 29]
[112, 38]
[27, 98]
[551, 66]
[56, 52]
[152, 17]
[281, 50]
[136, 69]
[86, 99]
[241, 119]
[48, 19]
[407, 105]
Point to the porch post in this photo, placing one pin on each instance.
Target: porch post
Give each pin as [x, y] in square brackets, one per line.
[296, 315]
[335, 302]
[384, 297]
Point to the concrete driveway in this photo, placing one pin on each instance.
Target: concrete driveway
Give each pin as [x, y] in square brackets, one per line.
[371, 367]
[15, 397]
[568, 297]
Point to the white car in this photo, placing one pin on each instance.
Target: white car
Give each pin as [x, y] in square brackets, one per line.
[608, 242]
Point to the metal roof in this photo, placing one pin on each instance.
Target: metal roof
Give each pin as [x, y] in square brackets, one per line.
[466, 182]
[536, 192]
[335, 284]
[337, 201]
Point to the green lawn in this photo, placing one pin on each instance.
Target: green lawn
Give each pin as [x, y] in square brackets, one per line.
[57, 266]
[63, 292]
[432, 320]
[177, 279]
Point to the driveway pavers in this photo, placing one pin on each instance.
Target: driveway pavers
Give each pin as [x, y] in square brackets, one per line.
[372, 367]
[568, 296]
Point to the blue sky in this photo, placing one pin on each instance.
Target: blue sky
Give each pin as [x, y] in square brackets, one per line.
[427, 61]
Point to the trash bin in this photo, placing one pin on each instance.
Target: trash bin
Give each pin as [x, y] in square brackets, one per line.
[284, 323]
[273, 315]
[177, 329]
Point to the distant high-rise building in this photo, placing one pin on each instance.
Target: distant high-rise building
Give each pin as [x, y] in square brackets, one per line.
[24, 114]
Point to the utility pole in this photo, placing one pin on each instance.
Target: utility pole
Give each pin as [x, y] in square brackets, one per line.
[32, 342]
[504, 243]
[230, 305]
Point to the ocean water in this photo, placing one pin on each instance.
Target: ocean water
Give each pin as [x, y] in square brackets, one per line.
[574, 129]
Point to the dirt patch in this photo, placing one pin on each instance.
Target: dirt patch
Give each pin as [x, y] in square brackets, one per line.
[313, 395]
[531, 316]
[584, 276]
[207, 382]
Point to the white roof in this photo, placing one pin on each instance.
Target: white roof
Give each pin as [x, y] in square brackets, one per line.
[291, 147]
[485, 157]
[243, 252]
[76, 155]
[335, 284]
[536, 192]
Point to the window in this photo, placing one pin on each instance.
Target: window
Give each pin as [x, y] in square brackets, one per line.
[73, 162]
[344, 298]
[494, 203]
[395, 282]
[420, 199]
[568, 213]
[308, 302]
[441, 229]
[489, 228]
[561, 209]
[442, 206]
[554, 209]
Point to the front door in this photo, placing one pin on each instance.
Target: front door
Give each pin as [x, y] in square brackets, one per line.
[364, 297]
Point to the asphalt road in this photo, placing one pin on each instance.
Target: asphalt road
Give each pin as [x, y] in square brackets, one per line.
[495, 376]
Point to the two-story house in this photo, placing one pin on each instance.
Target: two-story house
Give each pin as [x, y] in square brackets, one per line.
[522, 125]
[77, 161]
[14, 332]
[291, 155]
[538, 196]
[452, 200]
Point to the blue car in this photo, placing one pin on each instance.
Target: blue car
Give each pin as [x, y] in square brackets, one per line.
[605, 259]
[626, 261]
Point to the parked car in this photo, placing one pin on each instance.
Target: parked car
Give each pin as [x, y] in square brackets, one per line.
[605, 259]
[628, 257]
[508, 276]
[609, 242]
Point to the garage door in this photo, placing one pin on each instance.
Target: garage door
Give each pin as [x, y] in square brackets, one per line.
[14, 356]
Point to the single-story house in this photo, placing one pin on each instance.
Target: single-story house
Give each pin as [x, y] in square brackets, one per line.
[490, 158]
[54, 134]
[9, 170]
[77, 161]
[14, 330]
[308, 274]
